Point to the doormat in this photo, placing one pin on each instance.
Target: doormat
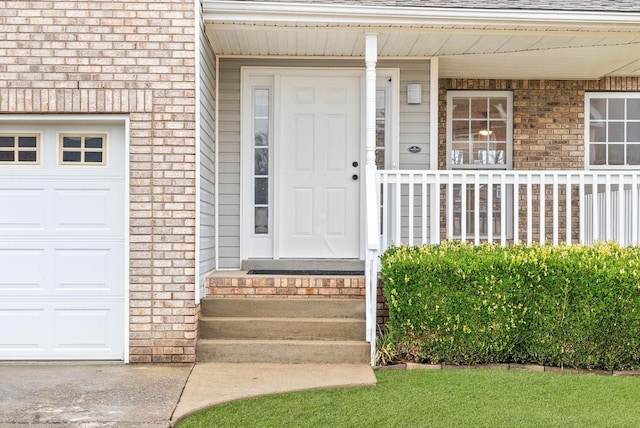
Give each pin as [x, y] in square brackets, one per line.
[306, 272]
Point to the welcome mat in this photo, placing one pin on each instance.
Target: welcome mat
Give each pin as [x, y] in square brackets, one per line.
[306, 272]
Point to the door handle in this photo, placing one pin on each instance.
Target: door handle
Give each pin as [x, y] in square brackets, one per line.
[355, 164]
[354, 177]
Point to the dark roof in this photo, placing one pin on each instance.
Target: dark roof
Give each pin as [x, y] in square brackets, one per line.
[560, 5]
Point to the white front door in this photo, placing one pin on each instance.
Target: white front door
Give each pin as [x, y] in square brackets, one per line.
[319, 166]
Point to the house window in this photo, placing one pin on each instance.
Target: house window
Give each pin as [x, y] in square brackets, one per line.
[22, 149]
[261, 148]
[83, 149]
[613, 129]
[479, 136]
[479, 129]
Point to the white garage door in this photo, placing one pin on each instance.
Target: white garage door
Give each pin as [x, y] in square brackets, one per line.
[62, 241]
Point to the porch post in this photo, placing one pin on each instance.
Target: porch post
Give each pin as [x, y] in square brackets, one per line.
[371, 58]
[371, 202]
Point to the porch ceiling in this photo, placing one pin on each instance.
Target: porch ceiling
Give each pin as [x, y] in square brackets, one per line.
[489, 44]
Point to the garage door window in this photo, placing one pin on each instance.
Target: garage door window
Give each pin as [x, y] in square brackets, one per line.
[83, 149]
[19, 149]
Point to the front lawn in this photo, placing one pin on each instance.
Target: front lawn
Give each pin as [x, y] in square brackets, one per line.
[444, 398]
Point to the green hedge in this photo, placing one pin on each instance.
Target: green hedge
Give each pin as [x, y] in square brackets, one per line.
[567, 306]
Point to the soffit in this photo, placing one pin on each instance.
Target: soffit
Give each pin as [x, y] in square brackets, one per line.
[469, 47]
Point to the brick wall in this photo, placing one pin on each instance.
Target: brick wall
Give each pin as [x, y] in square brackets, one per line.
[137, 58]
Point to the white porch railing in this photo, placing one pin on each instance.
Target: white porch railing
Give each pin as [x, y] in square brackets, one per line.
[504, 207]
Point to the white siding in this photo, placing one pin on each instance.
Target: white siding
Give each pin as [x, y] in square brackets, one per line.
[207, 156]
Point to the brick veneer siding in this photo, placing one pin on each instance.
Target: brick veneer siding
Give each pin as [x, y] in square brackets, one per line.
[136, 58]
[548, 128]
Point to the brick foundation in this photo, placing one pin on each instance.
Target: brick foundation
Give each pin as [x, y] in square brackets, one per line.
[241, 285]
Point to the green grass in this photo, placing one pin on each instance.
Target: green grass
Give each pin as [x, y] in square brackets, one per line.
[444, 398]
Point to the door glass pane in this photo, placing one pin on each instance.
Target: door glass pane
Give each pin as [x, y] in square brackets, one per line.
[72, 142]
[261, 220]
[262, 132]
[27, 156]
[261, 103]
[261, 191]
[261, 161]
[7, 141]
[27, 142]
[261, 120]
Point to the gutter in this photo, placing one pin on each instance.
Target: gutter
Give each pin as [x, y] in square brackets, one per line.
[364, 16]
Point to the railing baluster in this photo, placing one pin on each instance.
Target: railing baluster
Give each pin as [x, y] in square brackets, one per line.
[449, 207]
[555, 209]
[476, 209]
[424, 213]
[634, 209]
[384, 198]
[516, 207]
[490, 209]
[607, 210]
[503, 206]
[569, 217]
[622, 238]
[398, 212]
[543, 209]
[594, 208]
[529, 213]
[435, 234]
[463, 207]
[411, 208]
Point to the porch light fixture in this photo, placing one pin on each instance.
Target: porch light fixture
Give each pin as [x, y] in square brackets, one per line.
[414, 93]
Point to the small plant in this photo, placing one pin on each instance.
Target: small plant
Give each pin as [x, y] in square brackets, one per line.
[385, 349]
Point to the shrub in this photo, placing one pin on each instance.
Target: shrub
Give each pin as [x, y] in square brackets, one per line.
[573, 306]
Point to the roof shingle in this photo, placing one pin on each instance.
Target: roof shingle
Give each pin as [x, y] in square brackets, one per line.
[565, 5]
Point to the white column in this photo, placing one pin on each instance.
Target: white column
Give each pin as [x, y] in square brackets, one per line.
[371, 58]
[371, 215]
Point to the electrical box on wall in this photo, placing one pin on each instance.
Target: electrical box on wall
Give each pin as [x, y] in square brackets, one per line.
[414, 93]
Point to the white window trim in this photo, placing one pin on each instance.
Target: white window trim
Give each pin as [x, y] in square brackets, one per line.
[587, 117]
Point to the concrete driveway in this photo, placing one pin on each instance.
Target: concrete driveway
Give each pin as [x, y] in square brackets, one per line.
[86, 394]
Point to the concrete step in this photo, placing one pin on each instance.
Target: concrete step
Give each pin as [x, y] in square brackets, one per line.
[282, 328]
[283, 351]
[283, 308]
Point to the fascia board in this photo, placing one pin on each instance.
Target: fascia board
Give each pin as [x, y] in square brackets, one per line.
[335, 14]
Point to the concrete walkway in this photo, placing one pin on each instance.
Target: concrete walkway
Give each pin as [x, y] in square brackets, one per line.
[215, 383]
[88, 395]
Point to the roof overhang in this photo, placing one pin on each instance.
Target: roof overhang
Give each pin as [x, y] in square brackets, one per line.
[471, 43]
